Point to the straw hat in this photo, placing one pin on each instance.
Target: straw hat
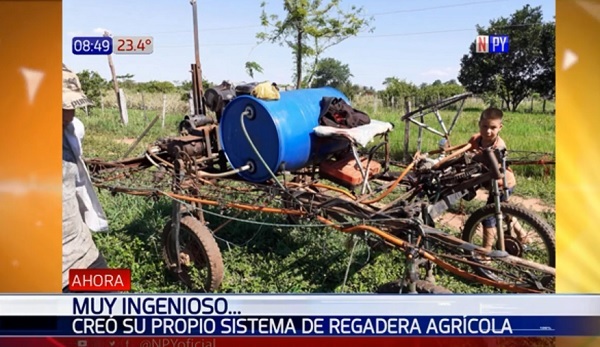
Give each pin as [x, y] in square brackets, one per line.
[73, 96]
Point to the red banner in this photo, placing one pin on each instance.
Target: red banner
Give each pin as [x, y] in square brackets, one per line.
[99, 280]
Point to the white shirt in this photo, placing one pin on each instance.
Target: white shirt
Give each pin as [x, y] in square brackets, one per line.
[89, 205]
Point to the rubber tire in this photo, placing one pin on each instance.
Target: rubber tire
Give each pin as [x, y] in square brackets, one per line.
[544, 229]
[209, 250]
[423, 287]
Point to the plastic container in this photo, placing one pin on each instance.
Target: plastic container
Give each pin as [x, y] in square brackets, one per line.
[346, 171]
[281, 130]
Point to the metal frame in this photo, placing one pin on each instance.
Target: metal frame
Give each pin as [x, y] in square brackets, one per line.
[421, 112]
[402, 223]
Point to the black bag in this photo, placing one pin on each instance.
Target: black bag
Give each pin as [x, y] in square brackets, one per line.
[335, 112]
[218, 97]
[245, 89]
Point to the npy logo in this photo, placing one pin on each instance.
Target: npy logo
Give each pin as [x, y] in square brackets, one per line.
[491, 44]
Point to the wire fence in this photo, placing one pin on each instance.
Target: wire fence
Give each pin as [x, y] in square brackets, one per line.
[178, 103]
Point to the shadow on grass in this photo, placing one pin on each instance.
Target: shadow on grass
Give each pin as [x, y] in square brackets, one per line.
[471, 109]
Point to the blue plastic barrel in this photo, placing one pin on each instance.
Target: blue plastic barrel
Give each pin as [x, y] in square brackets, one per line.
[281, 130]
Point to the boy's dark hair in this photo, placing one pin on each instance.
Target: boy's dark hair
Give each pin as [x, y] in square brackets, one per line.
[491, 113]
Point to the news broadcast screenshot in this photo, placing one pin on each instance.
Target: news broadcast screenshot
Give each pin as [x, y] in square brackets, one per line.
[315, 173]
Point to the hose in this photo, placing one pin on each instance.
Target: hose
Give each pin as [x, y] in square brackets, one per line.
[244, 114]
[224, 174]
[248, 111]
[394, 184]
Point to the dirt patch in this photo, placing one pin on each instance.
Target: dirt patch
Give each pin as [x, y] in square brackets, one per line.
[452, 220]
[125, 141]
[533, 204]
[456, 221]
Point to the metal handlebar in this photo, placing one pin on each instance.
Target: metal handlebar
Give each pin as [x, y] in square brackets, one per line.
[493, 164]
[454, 155]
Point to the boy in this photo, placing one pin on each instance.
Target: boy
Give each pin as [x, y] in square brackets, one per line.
[490, 124]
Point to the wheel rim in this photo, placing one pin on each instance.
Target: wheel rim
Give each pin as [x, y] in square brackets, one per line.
[198, 270]
[532, 247]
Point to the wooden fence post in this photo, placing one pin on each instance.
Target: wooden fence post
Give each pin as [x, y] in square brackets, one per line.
[118, 91]
[191, 101]
[122, 101]
[164, 109]
[144, 109]
[406, 129]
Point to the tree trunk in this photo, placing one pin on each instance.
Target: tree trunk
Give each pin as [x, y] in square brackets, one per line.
[312, 73]
[299, 60]
[514, 106]
[544, 106]
[531, 106]
[504, 102]
[515, 101]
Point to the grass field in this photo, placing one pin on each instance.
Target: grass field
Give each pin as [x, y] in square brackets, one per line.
[284, 258]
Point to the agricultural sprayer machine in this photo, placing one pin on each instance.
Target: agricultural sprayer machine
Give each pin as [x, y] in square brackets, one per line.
[277, 155]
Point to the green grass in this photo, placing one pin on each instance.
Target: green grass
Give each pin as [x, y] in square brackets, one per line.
[265, 259]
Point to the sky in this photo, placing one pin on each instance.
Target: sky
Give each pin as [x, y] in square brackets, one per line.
[419, 42]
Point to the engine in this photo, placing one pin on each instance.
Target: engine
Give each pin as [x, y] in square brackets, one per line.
[198, 140]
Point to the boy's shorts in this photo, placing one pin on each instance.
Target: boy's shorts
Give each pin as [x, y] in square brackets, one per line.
[490, 222]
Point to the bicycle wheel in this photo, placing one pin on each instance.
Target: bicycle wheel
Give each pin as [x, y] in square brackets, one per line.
[526, 235]
[199, 255]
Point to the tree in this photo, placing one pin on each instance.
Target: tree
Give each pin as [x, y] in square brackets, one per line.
[546, 83]
[331, 72]
[127, 76]
[252, 66]
[92, 84]
[126, 82]
[438, 91]
[396, 90]
[516, 74]
[309, 28]
[184, 88]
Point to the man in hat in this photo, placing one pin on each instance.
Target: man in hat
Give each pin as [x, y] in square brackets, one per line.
[82, 212]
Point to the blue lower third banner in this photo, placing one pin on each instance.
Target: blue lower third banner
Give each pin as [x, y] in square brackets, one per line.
[301, 326]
